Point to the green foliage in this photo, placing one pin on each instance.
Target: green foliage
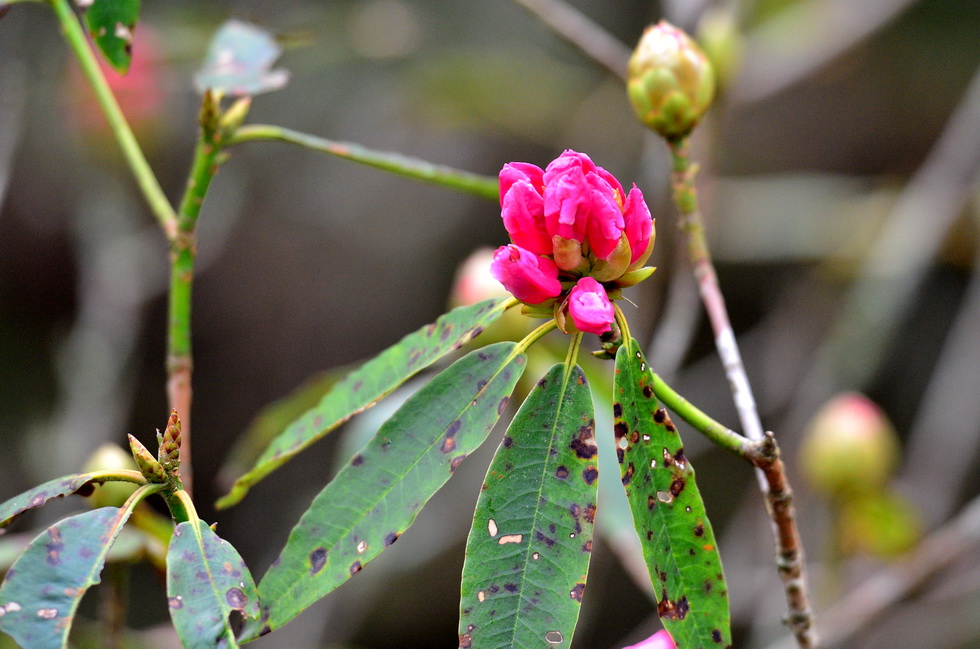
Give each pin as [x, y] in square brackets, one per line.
[206, 581]
[41, 592]
[529, 549]
[374, 499]
[239, 62]
[111, 24]
[678, 544]
[363, 387]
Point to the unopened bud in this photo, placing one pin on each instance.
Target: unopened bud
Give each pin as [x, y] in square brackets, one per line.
[659, 640]
[169, 452]
[849, 445]
[109, 457]
[881, 524]
[148, 466]
[671, 81]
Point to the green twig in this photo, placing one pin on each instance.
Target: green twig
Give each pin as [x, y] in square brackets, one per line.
[463, 181]
[147, 181]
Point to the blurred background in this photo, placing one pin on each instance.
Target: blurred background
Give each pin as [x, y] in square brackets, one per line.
[839, 180]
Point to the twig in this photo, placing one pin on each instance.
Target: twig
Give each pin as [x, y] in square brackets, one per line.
[790, 561]
[582, 32]
[464, 181]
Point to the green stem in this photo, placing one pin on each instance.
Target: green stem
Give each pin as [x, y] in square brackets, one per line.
[463, 181]
[145, 178]
[534, 337]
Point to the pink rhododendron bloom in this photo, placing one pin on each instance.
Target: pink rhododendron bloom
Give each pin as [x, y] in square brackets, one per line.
[590, 308]
[532, 279]
[638, 223]
[659, 640]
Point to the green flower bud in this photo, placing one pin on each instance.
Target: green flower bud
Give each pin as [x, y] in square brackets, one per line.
[110, 457]
[882, 524]
[671, 81]
[148, 466]
[849, 446]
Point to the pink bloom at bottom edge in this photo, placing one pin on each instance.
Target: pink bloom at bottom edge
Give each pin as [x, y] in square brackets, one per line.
[530, 278]
[659, 640]
[590, 308]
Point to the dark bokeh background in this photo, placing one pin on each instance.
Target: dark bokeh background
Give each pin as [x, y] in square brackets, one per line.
[846, 252]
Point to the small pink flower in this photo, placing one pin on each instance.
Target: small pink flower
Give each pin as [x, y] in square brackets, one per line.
[522, 207]
[638, 223]
[530, 278]
[659, 640]
[590, 308]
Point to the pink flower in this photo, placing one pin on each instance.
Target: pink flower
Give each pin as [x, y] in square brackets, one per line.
[638, 224]
[522, 207]
[659, 640]
[532, 279]
[583, 202]
[590, 308]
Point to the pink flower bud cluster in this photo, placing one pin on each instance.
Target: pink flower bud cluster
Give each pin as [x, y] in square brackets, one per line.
[577, 239]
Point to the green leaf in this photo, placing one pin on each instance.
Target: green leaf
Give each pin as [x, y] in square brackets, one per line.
[42, 493]
[374, 499]
[42, 590]
[206, 581]
[239, 62]
[111, 24]
[528, 551]
[369, 383]
[678, 543]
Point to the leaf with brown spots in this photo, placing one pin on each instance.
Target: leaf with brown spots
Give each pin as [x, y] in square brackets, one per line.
[368, 384]
[678, 544]
[526, 556]
[207, 580]
[367, 505]
[43, 588]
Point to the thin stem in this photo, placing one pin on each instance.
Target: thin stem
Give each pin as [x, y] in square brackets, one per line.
[534, 337]
[145, 178]
[464, 181]
[775, 487]
[721, 435]
[207, 158]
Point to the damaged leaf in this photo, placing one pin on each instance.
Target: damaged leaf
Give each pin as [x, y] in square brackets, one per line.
[528, 551]
[678, 544]
[374, 499]
[111, 24]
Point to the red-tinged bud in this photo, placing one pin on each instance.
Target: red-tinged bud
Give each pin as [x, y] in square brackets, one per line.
[849, 445]
[590, 308]
[639, 228]
[659, 640]
[530, 278]
[110, 457]
[568, 254]
[671, 81]
[169, 452]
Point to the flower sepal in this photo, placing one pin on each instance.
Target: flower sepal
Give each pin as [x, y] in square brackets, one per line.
[604, 270]
[634, 277]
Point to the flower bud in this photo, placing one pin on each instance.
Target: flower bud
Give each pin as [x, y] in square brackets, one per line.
[659, 640]
[109, 457]
[671, 81]
[530, 278]
[849, 445]
[147, 464]
[639, 228]
[590, 308]
[169, 452]
[881, 524]
[522, 206]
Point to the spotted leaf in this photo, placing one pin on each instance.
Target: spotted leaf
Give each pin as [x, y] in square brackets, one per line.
[678, 544]
[377, 495]
[528, 551]
[366, 385]
[82, 483]
[41, 592]
[206, 581]
[111, 24]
